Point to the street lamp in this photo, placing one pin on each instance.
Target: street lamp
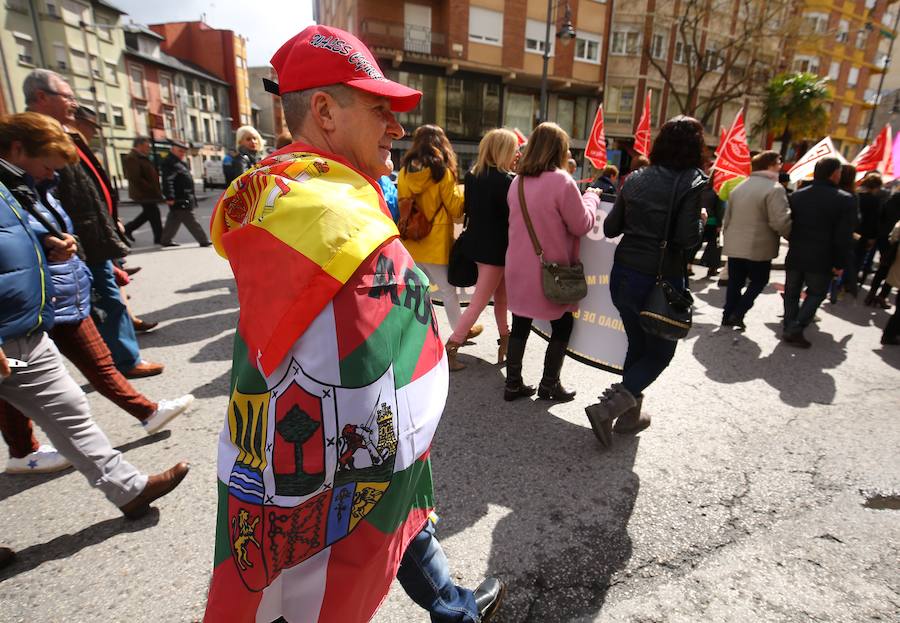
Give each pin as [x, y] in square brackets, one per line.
[566, 33]
[884, 70]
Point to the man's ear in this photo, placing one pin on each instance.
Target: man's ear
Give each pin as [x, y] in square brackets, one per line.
[322, 108]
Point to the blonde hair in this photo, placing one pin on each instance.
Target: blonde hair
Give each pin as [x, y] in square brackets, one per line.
[547, 150]
[39, 135]
[496, 149]
[242, 133]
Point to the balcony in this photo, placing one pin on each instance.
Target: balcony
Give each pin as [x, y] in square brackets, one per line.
[406, 37]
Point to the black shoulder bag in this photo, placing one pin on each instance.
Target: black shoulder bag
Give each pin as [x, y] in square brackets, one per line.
[668, 311]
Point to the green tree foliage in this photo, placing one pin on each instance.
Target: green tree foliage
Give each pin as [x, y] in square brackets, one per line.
[794, 108]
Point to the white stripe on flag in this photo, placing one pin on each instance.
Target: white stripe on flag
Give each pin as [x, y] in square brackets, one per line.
[228, 452]
[297, 593]
[419, 408]
[316, 351]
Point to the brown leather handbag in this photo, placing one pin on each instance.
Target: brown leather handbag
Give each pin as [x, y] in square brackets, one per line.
[413, 224]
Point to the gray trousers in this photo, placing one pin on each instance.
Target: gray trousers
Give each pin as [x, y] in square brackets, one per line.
[174, 220]
[50, 396]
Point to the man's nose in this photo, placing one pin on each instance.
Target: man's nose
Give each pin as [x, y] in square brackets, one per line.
[394, 129]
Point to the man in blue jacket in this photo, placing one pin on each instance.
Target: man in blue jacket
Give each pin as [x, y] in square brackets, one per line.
[34, 379]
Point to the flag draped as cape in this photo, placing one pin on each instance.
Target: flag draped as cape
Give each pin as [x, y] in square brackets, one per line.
[338, 382]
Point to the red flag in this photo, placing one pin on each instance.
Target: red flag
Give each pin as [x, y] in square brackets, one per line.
[520, 138]
[733, 155]
[596, 146]
[877, 156]
[642, 133]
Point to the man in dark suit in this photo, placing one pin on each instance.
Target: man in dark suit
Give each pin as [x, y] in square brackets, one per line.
[820, 244]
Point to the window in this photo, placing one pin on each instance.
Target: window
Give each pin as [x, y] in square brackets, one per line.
[814, 23]
[853, 77]
[96, 69]
[245, 120]
[169, 123]
[520, 110]
[74, 13]
[79, 62]
[587, 47]
[870, 4]
[239, 61]
[140, 120]
[52, 8]
[806, 63]
[712, 61]
[658, 46]
[845, 115]
[207, 136]
[565, 114]
[102, 117]
[535, 34]
[862, 38]
[194, 128]
[112, 72]
[24, 48]
[683, 53]
[196, 96]
[625, 42]
[118, 116]
[618, 104]
[61, 56]
[104, 28]
[834, 71]
[137, 82]
[843, 31]
[485, 26]
[888, 19]
[20, 6]
[165, 88]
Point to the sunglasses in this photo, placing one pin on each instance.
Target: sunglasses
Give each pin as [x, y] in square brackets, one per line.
[65, 96]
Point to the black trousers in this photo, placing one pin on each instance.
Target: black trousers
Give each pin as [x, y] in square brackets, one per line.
[560, 329]
[738, 301]
[149, 214]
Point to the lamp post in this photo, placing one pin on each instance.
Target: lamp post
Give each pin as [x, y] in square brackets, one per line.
[566, 33]
[887, 63]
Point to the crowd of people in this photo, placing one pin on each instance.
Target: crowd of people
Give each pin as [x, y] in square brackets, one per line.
[63, 250]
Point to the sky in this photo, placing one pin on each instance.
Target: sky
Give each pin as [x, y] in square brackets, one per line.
[265, 27]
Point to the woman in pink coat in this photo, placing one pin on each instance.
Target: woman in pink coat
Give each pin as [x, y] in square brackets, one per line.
[560, 216]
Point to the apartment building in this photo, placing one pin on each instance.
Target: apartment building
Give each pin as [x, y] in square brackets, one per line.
[270, 116]
[82, 41]
[172, 98]
[221, 53]
[847, 41]
[479, 62]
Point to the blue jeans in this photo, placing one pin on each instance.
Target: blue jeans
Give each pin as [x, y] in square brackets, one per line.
[647, 354]
[797, 316]
[117, 329]
[425, 576]
[737, 300]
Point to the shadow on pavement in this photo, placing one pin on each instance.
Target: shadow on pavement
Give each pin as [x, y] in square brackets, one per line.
[190, 330]
[219, 386]
[566, 500]
[855, 312]
[214, 284]
[68, 544]
[890, 355]
[13, 484]
[218, 302]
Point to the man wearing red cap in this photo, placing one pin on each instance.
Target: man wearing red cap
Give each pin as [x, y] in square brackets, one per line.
[339, 376]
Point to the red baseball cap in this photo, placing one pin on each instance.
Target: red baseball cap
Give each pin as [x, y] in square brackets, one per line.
[321, 56]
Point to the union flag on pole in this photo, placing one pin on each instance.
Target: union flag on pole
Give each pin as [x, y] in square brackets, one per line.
[733, 155]
[877, 156]
[804, 167]
[642, 133]
[596, 146]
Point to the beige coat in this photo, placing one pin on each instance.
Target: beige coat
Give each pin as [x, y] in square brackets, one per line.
[756, 217]
[893, 276]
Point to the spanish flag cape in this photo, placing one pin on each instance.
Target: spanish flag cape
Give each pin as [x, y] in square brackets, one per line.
[338, 382]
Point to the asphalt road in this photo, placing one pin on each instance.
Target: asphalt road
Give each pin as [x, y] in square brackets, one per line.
[744, 501]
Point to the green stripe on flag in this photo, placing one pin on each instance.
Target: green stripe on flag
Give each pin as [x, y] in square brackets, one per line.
[409, 489]
[398, 339]
[243, 374]
[223, 536]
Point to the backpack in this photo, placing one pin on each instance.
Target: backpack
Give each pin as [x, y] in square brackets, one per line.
[413, 224]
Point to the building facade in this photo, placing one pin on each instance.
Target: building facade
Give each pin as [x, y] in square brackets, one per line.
[171, 98]
[83, 41]
[221, 53]
[269, 114]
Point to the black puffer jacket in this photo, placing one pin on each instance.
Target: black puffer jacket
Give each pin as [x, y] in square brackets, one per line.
[640, 214]
[178, 183]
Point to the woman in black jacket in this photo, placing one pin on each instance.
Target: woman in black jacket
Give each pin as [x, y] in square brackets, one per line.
[487, 234]
[673, 179]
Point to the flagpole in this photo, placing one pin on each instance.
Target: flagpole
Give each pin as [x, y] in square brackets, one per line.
[884, 71]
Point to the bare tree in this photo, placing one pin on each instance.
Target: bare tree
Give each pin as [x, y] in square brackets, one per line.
[721, 50]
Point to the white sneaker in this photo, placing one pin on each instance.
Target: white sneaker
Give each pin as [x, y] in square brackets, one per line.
[42, 461]
[166, 410]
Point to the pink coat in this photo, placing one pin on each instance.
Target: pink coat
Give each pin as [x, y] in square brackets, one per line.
[560, 216]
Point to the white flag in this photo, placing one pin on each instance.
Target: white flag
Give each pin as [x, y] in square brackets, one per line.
[803, 168]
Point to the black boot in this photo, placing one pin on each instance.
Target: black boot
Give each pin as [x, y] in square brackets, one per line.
[550, 387]
[515, 388]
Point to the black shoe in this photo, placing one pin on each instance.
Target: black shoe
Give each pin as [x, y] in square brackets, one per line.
[513, 392]
[129, 235]
[734, 322]
[488, 597]
[890, 340]
[205, 244]
[555, 392]
[796, 339]
[171, 244]
[7, 555]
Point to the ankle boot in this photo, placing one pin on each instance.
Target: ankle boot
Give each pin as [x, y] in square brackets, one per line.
[633, 421]
[452, 352]
[550, 388]
[515, 388]
[502, 347]
[615, 402]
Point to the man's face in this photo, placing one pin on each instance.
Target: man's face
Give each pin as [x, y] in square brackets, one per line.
[179, 152]
[364, 131]
[143, 148]
[776, 166]
[58, 102]
[41, 167]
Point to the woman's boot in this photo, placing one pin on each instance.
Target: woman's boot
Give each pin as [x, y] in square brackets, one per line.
[632, 421]
[550, 388]
[502, 347]
[452, 354]
[615, 402]
[515, 388]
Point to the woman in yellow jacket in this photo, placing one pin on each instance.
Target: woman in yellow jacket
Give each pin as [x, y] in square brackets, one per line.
[428, 174]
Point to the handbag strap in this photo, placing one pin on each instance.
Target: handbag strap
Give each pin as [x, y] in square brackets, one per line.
[534, 239]
[664, 243]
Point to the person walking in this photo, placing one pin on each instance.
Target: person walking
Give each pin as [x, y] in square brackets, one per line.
[88, 197]
[819, 247]
[756, 220]
[178, 189]
[888, 217]
[345, 363]
[486, 237]
[250, 145]
[673, 182]
[607, 180]
[34, 379]
[891, 334]
[870, 207]
[428, 176]
[143, 188]
[559, 215]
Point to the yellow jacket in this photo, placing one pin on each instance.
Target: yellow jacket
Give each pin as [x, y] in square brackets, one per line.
[430, 196]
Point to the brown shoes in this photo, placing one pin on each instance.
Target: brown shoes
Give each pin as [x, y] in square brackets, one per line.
[474, 332]
[158, 485]
[143, 369]
[452, 353]
[142, 326]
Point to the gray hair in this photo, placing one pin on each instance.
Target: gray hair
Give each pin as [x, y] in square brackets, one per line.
[140, 140]
[296, 104]
[38, 80]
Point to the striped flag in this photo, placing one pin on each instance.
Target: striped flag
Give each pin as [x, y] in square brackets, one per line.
[339, 379]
